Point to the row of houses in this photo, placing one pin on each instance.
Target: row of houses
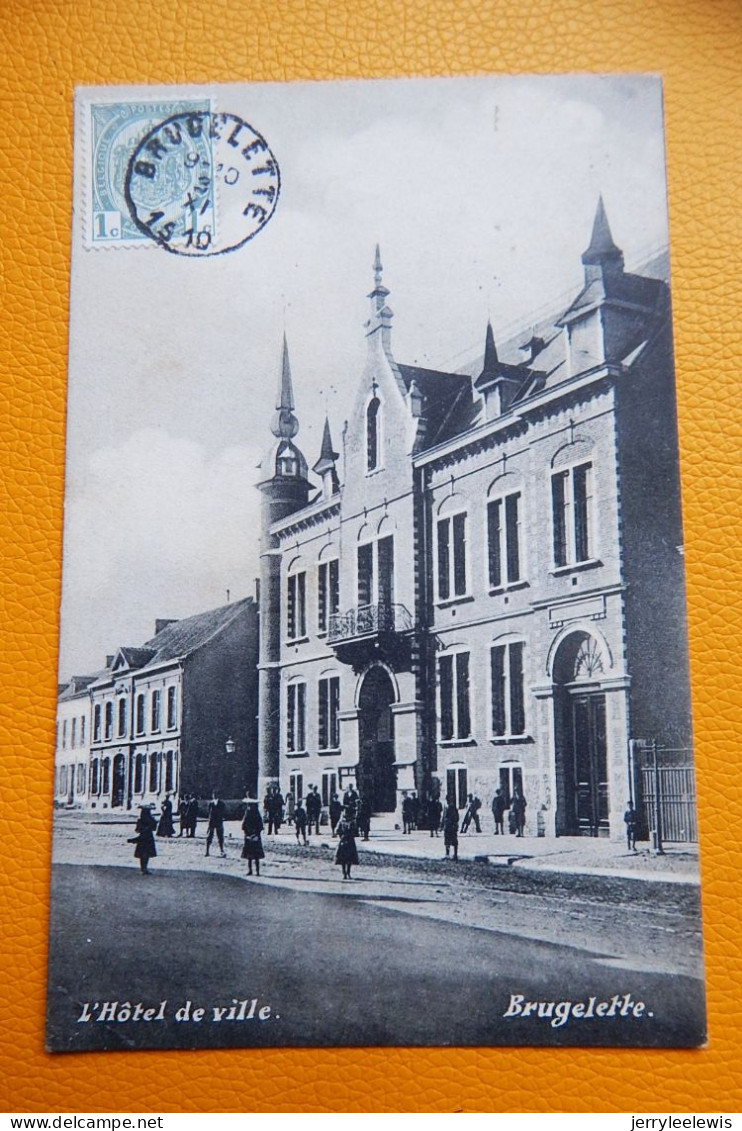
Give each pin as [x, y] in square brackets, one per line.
[484, 591]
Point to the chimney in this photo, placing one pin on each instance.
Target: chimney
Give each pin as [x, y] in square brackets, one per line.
[109, 661]
[163, 622]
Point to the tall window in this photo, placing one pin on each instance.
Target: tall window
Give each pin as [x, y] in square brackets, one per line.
[96, 722]
[156, 710]
[457, 786]
[296, 717]
[372, 434]
[109, 720]
[82, 730]
[172, 708]
[154, 772]
[296, 608]
[139, 767]
[296, 784]
[122, 718]
[329, 785]
[81, 769]
[73, 739]
[328, 592]
[105, 785]
[511, 778]
[169, 771]
[571, 501]
[453, 673]
[329, 704]
[94, 783]
[503, 540]
[64, 735]
[508, 701]
[376, 572]
[451, 557]
[140, 713]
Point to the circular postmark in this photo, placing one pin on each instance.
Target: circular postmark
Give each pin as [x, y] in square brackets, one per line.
[202, 183]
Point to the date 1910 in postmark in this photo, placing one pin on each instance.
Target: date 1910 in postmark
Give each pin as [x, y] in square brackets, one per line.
[201, 183]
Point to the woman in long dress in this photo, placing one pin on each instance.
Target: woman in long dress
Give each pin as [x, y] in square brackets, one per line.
[166, 826]
[145, 839]
[252, 827]
[347, 853]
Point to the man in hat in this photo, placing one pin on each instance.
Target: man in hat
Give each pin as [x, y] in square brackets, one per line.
[217, 810]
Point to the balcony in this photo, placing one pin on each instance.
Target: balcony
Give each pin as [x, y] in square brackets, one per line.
[369, 632]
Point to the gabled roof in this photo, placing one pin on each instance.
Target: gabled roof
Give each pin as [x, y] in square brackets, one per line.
[77, 685]
[183, 637]
[133, 657]
[448, 400]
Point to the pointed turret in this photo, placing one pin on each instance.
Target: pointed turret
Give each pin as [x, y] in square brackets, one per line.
[380, 322]
[602, 257]
[325, 465]
[284, 424]
[498, 383]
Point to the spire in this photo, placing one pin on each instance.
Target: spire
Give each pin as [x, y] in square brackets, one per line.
[325, 465]
[284, 424]
[602, 251]
[381, 315]
[491, 360]
[377, 267]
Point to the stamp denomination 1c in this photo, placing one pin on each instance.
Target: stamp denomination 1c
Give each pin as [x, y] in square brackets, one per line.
[202, 183]
[112, 132]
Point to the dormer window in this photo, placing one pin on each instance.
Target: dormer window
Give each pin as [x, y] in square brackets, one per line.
[372, 434]
[286, 462]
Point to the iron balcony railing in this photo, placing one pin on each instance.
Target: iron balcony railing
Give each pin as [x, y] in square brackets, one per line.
[369, 620]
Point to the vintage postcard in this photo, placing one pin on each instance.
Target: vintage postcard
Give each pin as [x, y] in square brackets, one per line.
[374, 719]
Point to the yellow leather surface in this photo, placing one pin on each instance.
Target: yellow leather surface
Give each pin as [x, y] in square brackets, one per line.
[48, 46]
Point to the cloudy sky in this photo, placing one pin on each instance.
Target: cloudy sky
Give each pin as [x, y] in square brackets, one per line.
[481, 193]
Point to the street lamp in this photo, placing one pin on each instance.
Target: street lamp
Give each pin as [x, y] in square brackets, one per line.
[230, 746]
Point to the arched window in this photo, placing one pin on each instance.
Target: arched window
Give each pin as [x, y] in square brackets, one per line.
[372, 434]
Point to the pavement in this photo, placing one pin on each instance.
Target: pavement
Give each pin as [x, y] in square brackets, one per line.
[568, 855]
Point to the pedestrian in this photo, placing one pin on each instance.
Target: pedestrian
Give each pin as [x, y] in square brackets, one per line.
[192, 816]
[498, 811]
[314, 809]
[518, 811]
[252, 827]
[631, 820]
[451, 828]
[347, 853]
[350, 800]
[145, 839]
[435, 813]
[290, 805]
[275, 811]
[364, 817]
[217, 810]
[165, 826]
[472, 814]
[183, 814]
[408, 812]
[336, 812]
[300, 821]
[415, 810]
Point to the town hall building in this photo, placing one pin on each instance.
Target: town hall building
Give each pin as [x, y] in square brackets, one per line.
[493, 596]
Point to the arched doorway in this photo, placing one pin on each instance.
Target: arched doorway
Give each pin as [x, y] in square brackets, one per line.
[580, 738]
[377, 776]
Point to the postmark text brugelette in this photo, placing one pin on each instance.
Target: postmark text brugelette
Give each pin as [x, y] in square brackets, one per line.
[558, 1013]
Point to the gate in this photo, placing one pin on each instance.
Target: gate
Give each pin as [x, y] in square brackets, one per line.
[665, 773]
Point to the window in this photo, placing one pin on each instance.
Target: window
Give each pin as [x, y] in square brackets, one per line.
[375, 576]
[122, 718]
[508, 705]
[94, 783]
[81, 783]
[329, 786]
[139, 770]
[328, 593]
[296, 626]
[169, 771]
[571, 500]
[296, 784]
[73, 739]
[109, 720]
[156, 710]
[172, 708]
[64, 735]
[372, 434]
[96, 722]
[452, 557]
[457, 785]
[503, 540]
[63, 780]
[105, 786]
[140, 714]
[453, 673]
[511, 778]
[296, 717]
[154, 772]
[82, 730]
[329, 704]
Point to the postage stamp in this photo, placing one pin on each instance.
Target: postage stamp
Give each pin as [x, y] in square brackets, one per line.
[112, 132]
[196, 170]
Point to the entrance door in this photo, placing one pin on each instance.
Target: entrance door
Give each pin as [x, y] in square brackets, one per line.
[377, 776]
[119, 778]
[590, 764]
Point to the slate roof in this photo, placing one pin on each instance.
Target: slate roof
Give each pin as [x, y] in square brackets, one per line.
[76, 685]
[448, 398]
